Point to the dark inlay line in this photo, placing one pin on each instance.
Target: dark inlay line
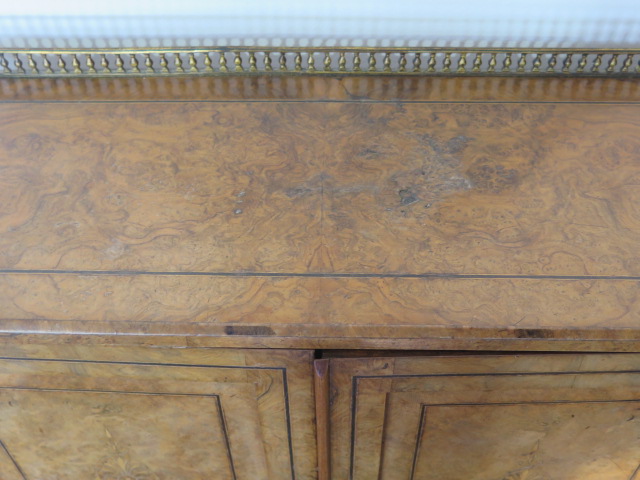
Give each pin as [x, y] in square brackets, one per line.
[364, 100]
[15, 464]
[500, 374]
[225, 435]
[419, 435]
[117, 392]
[517, 404]
[144, 364]
[317, 274]
[287, 415]
[354, 407]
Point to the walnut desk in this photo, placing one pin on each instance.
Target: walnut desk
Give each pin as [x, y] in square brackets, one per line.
[337, 277]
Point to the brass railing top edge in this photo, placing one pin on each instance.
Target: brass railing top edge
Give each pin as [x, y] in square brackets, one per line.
[240, 60]
[320, 49]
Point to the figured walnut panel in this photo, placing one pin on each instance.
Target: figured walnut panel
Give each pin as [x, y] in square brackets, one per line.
[321, 312]
[322, 220]
[484, 189]
[71, 434]
[527, 189]
[107, 413]
[153, 187]
[563, 417]
[562, 441]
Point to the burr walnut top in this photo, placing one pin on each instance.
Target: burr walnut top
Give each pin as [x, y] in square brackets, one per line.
[322, 212]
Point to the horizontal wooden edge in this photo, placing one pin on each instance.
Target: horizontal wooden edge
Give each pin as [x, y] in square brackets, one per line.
[426, 339]
[334, 88]
[323, 423]
[311, 330]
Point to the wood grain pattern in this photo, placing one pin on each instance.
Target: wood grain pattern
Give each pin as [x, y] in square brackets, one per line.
[405, 189]
[485, 189]
[327, 312]
[505, 432]
[200, 302]
[157, 413]
[153, 187]
[131, 436]
[562, 417]
[325, 220]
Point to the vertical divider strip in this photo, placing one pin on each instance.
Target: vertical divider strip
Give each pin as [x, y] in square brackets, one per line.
[321, 387]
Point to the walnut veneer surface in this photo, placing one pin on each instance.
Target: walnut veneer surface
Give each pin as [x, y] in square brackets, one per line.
[106, 413]
[322, 212]
[561, 417]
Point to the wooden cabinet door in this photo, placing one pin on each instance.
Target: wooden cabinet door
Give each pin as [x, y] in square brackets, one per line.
[154, 414]
[532, 417]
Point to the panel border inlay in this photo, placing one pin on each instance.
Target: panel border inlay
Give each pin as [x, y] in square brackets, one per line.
[13, 460]
[281, 370]
[356, 378]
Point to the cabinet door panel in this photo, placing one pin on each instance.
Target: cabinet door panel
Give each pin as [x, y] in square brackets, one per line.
[562, 417]
[156, 414]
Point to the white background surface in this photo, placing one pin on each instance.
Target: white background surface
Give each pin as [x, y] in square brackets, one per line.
[99, 23]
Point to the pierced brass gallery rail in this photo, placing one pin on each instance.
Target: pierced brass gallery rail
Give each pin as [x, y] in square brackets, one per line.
[318, 60]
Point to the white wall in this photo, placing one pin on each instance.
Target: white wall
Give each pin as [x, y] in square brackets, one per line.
[403, 22]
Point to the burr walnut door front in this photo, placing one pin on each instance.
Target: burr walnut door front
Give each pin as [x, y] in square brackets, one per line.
[156, 414]
[532, 417]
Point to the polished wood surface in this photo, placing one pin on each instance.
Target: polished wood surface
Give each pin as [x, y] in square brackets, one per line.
[323, 423]
[106, 413]
[528, 190]
[480, 214]
[512, 417]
